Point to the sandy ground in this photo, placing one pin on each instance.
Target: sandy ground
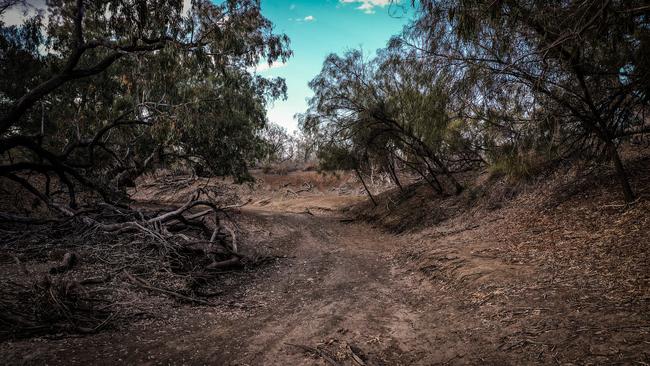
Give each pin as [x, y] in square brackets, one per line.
[509, 286]
[339, 287]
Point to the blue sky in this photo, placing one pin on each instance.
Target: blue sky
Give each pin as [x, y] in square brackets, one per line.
[318, 28]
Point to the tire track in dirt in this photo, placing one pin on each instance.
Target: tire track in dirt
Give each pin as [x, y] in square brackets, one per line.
[344, 288]
[340, 285]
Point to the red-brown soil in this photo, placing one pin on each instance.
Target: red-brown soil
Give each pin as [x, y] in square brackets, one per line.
[549, 275]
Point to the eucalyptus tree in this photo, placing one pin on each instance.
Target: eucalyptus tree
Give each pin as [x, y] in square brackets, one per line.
[94, 93]
[425, 103]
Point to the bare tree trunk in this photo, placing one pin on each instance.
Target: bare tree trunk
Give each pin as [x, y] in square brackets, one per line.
[624, 180]
[434, 184]
[393, 173]
[432, 155]
[365, 186]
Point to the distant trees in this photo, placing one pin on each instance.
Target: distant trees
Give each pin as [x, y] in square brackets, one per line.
[281, 145]
[482, 82]
[94, 93]
[278, 143]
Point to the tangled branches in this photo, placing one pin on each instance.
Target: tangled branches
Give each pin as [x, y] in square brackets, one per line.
[51, 306]
[178, 253]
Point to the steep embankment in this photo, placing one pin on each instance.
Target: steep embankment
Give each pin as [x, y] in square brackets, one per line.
[552, 271]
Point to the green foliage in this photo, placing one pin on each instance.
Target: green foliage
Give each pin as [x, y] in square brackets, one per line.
[516, 165]
[512, 84]
[392, 110]
[577, 66]
[334, 157]
[108, 89]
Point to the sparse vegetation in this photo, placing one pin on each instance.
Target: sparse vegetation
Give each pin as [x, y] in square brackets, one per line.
[481, 180]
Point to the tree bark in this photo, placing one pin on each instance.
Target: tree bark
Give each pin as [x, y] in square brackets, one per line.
[393, 174]
[621, 173]
[365, 187]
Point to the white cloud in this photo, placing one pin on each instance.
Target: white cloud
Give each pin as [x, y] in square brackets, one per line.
[367, 6]
[263, 66]
[308, 18]
[292, 6]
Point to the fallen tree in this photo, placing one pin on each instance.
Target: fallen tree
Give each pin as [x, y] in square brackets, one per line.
[175, 252]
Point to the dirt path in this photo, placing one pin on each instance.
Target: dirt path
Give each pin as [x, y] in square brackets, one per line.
[341, 288]
[452, 294]
[336, 285]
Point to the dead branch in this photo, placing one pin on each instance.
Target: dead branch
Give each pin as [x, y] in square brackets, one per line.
[228, 263]
[140, 283]
[318, 352]
[355, 357]
[21, 264]
[307, 187]
[69, 260]
[263, 202]
[249, 200]
[176, 214]
[49, 306]
[7, 217]
[233, 244]
[96, 280]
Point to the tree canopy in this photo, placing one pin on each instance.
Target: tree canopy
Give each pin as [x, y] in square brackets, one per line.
[94, 93]
[473, 83]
